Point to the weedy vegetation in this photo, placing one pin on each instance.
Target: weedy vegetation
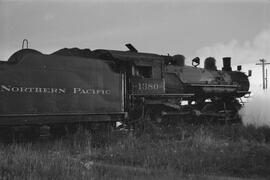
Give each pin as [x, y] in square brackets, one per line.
[188, 152]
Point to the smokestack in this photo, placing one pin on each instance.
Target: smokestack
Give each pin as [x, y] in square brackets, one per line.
[227, 64]
[210, 64]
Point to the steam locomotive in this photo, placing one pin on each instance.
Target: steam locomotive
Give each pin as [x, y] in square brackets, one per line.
[101, 87]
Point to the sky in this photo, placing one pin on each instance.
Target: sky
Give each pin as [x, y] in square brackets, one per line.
[192, 28]
[236, 28]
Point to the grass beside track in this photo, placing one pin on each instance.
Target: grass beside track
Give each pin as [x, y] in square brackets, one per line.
[188, 152]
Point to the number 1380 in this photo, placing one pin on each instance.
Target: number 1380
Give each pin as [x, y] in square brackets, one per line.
[147, 86]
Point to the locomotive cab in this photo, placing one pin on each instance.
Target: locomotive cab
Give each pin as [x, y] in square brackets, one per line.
[143, 72]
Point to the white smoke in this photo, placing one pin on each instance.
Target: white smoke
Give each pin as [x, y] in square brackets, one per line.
[249, 51]
[256, 110]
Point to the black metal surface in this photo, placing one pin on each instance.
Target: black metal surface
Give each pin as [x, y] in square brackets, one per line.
[56, 84]
[73, 85]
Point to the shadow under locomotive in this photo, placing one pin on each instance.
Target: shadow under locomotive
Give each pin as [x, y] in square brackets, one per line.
[101, 87]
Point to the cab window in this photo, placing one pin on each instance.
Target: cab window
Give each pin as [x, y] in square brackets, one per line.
[144, 71]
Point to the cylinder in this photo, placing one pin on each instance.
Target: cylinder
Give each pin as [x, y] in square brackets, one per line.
[227, 64]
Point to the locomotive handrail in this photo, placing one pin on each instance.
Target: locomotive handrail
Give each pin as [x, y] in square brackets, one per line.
[165, 95]
[213, 85]
[59, 114]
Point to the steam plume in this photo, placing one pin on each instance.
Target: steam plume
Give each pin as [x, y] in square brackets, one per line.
[248, 53]
[256, 111]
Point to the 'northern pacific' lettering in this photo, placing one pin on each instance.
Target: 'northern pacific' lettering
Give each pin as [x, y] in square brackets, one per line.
[17, 89]
[91, 91]
[44, 90]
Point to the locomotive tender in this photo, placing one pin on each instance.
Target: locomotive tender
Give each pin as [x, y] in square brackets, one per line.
[73, 86]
